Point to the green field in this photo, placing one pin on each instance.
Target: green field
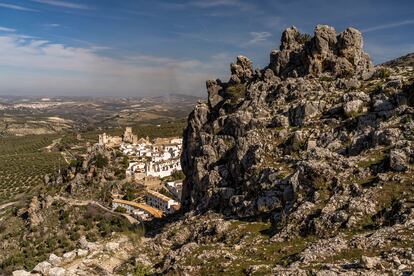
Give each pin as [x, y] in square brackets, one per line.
[23, 164]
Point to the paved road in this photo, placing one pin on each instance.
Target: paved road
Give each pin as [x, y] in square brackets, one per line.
[78, 202]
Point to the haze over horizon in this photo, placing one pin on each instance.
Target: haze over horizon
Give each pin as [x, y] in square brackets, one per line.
[137, 48]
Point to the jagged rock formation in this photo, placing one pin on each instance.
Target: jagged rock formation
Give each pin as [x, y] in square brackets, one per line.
[318, 140]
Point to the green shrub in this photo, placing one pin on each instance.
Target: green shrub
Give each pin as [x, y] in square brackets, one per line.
[326, 78]
[178, 175]
[101, 161]
[384, 73]
[92, 236]
[74, 236]
[236, 92]
[141, 270]
[120, 209]
[303, 38]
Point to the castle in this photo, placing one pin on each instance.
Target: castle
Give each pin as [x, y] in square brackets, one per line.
[111, 141]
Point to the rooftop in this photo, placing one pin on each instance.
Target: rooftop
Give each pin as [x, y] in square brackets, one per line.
[154, 212]
[158, 195]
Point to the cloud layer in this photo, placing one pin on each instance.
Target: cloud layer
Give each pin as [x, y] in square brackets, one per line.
[44, 68]
[16, 7]
[63, 4]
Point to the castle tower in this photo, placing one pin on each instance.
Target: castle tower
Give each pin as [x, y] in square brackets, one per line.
[103, 139]
[128, 135]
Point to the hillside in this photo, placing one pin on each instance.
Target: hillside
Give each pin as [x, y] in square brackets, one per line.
[404, 61]
[304, 167]
[319, 142]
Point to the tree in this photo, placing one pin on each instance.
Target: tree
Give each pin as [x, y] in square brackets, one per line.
[101, 161]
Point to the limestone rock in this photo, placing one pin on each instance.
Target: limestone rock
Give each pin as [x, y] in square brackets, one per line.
[242, 69]
[55, 260]
[57, 271]
[370, 262]
[339, 55]
[82, 252]
[352, 108]
[398, 160]
[43, 267]
[112, 246]
[69, 256]
[21, 273]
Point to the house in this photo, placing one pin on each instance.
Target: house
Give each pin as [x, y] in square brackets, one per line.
[162, 202]
[139, 210]
[162, 168]
[175, 188]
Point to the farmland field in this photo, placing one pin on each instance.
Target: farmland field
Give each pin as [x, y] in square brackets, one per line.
[23, 164]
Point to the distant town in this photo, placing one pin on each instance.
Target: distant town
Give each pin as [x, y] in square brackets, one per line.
[154, 164]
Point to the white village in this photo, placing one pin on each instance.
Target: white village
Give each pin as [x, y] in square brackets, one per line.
[151, 162]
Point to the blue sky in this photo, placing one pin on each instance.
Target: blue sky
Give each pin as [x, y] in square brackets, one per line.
[136, 47]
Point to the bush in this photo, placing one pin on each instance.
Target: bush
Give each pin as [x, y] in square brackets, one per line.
[303, 38]
[125, 162]
[74, 236]
[384, 73]
[178, 175]
[101, 161]
[91, 236]
[129, 191]
[165, 192]
[236, 92]
[120, 174]
[120, 209]
[141, 270]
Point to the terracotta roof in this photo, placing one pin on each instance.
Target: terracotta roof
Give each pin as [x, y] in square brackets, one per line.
[154, 212]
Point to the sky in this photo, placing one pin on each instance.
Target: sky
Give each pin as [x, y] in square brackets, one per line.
[138, 48]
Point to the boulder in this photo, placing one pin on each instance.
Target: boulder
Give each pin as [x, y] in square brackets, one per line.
[57, 271]
[21, 273]
[301, 113]
[112, 246]
[69, 256]
[55, 260]
[214, 89]
[242, 69]
[398, 160]
[370, 262]
[82, 252]
[43, 267]
[353, 108]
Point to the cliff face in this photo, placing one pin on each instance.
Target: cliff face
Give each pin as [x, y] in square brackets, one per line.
[319, 136]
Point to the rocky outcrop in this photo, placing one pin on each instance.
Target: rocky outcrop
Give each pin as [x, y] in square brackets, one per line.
[326, 53]
[314, 141]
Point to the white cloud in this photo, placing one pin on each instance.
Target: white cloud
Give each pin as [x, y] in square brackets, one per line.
[51, 25]
[259, 37]
[4, 29]
[63, 4]
[211, 4]
[216, 3]
[388, 26]
[33, 66]
[15, 7]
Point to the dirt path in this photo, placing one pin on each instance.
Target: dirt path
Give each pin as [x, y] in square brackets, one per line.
[4, 206]
[78, 202]
[54, 143]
